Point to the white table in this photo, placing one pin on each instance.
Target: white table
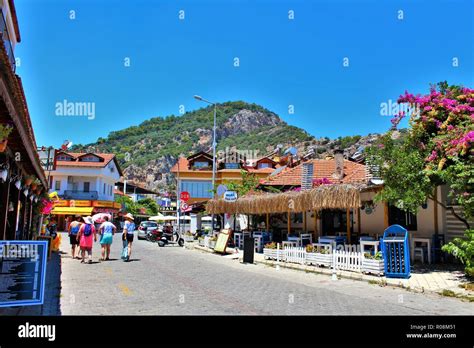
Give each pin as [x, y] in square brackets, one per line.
[328, 240]
[415, 240]
[239, 239]
[364, 243]
[295, 239]
[289, 243]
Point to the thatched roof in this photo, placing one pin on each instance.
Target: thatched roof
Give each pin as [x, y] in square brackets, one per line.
[337, 196]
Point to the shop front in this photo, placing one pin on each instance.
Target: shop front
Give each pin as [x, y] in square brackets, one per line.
[65, 210]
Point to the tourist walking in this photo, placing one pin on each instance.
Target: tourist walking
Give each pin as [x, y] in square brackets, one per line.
[127, 236]
[107, 231]
[87, 236]
[73, 230]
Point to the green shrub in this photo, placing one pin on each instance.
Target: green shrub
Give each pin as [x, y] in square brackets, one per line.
[463, 250]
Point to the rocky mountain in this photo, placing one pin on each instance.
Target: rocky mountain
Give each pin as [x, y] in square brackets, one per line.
[147, 152]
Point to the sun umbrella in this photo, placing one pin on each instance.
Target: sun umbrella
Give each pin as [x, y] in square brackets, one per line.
[158, 217]
[169, 218]
[99, 218]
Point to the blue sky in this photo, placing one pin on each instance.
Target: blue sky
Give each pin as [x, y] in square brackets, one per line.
[283, 62]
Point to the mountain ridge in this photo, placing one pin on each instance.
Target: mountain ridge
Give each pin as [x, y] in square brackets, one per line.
[147, 151]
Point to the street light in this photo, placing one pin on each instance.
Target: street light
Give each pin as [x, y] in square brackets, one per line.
[214, 143]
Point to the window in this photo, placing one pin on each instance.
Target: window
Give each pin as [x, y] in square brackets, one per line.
[104, 190]
[89, 159]
[57, 185]
[201, 164]
[87, 186]
[64, 158]
[231, 166]
[197, 189]
[264, 165]
[110, 190]
[402, 218]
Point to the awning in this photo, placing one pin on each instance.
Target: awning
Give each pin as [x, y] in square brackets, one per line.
[85, 211]
[335, 196]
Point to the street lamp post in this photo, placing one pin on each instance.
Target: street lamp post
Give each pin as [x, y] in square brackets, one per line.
[214, 143]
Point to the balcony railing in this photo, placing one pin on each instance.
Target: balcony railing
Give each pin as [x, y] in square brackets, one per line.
[71, 194]
[7, 41]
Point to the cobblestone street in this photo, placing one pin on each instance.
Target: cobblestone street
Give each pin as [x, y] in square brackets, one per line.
[173, 280]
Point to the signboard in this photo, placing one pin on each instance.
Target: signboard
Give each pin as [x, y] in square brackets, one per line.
[104, 204]
[82, 203]
[22, 272]
[61, 203]
[185, 208]
[184, 196]
[166, 208]
[222, 240]
[230, 196]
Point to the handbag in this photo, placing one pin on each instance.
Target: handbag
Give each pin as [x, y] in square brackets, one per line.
[125, 249]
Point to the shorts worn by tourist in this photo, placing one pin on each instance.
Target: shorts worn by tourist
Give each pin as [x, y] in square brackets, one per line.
[106, 238]
[73, 239]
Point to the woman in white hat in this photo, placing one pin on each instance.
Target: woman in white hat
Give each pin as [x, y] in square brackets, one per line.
[128, 229]
[86, 237]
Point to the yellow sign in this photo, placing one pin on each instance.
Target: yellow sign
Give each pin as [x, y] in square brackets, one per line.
[62, 203]
[222, 240]
[74, 203]
[105, 204]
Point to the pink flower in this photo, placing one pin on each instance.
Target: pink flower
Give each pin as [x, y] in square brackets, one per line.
[427, 108]
[433, 156]
[323, 181]
[450, 127]
[406, 98]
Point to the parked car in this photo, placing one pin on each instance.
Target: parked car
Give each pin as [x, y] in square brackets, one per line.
[145, 227]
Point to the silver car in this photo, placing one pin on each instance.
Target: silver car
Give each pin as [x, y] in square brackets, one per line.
[145, 227]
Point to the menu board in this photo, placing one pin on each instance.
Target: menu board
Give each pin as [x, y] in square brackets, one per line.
[222, 240]
[22, 272]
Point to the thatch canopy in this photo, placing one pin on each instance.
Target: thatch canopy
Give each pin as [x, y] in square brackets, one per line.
[337, 196]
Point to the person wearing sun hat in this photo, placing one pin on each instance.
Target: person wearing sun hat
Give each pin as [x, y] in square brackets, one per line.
[86, 237]
[127, 237]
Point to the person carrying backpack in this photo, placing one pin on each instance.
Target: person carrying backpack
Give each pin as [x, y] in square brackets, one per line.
[73, 230]
[87, 236]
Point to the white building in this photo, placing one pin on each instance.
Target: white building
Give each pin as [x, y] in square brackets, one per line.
[85, 176]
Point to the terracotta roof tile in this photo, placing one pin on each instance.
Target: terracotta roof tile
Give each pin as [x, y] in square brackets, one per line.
[106, 156]
[353, 173]
[184, 167]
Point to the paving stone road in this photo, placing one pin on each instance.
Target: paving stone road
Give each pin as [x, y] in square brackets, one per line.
[177, 281]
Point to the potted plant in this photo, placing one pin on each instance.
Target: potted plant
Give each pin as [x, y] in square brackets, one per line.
[188, 237]
[35, 184]
[373, 263]
[38, 190]
[311, 254]
[201, 241]
[212, 242]
[270, 251]
[5, 131]
[321, 257]
[29, 179]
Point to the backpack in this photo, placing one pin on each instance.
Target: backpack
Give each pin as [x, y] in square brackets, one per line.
[75, 229]
[87, 230]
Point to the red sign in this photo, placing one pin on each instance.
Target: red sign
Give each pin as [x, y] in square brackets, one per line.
[185, 208]
[184, 196]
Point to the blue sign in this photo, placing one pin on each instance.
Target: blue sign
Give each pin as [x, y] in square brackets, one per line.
[22, 272]
[230, 196]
